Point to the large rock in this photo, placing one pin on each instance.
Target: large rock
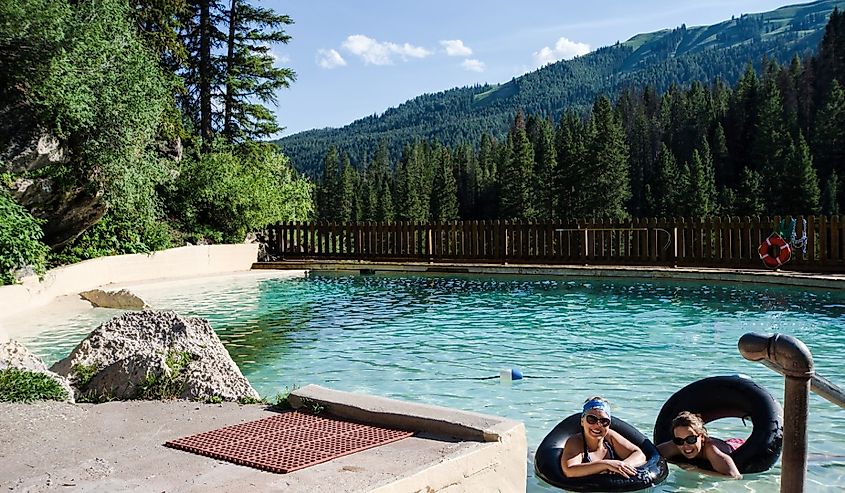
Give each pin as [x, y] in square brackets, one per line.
[67, 211]
[154, 355]
[15, 355]
[122, 300]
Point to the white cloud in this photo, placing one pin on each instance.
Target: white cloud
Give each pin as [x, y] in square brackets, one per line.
[473, 65]
[564, 49]
[456, 47]
[375, 52]
[330, 59]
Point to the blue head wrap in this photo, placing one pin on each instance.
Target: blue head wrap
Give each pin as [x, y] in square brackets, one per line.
[596, 404]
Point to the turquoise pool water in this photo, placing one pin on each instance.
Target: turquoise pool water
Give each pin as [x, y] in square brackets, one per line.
[435, 339]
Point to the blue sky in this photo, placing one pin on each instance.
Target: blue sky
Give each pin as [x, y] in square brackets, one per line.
[358, 58]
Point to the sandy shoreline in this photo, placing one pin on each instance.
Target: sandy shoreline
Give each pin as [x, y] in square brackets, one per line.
[20, 324]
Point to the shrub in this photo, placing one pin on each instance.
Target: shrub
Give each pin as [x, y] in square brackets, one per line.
[237, 190]
[20, 241]
[18, 385]
[168, 386]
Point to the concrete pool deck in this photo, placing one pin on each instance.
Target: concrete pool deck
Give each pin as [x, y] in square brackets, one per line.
[119, 446]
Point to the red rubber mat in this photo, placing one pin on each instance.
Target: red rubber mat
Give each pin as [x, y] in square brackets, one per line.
[288, 441]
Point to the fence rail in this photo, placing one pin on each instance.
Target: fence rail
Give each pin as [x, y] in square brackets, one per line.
[702, 242]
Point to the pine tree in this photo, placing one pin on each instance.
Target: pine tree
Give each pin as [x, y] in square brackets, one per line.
[488, 192]
[251, 79]
[346, 201]
[829, 136]
[466, 170]
[683, 204]
[607, 169]
[384, 207]
[705, 189]
[230, 77]
[742, 120]
[517, 177]
[771, 146]
[665, 193]
[545, 158]
[830, 197]
[749, 197]
[444, 196]
[801, 183]
[570, 144]
[327, 191]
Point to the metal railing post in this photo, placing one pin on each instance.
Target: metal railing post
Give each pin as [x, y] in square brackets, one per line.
[796, 363]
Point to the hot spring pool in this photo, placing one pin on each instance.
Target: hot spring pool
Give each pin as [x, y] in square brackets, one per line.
[435, 339]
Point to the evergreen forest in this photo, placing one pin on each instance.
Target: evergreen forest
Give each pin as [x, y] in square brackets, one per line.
[771, 143]
[662, 59]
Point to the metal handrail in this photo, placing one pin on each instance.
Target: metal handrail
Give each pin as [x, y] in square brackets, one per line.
[791, 358]
[818, 384]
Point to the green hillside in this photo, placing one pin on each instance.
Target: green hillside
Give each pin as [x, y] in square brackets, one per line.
[660, 59]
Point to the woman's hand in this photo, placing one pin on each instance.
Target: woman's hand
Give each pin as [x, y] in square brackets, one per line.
[620, 467]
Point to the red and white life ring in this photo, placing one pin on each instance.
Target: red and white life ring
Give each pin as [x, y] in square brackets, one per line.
[775, 251]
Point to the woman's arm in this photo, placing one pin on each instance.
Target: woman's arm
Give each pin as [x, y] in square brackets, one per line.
[668, 450]
[721, 462]
[571, 461]
[630, 453]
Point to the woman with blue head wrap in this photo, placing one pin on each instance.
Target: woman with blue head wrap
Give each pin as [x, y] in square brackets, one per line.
[599, 449]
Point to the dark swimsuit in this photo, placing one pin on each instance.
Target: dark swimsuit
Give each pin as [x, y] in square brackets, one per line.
[611, 454]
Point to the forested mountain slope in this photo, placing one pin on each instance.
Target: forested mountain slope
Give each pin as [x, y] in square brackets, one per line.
[660, 59]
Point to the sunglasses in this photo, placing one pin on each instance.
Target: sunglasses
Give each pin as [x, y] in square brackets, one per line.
[591, 419]
[688, 440]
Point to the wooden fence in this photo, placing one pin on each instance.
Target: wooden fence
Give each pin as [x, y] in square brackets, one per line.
[704, 242]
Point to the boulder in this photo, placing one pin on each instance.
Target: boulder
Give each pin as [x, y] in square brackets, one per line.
[154, 355]
[122, 300]
[15, 355]
[67, 211]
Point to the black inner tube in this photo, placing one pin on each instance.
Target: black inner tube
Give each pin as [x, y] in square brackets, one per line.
[547, 460]
[733, 396]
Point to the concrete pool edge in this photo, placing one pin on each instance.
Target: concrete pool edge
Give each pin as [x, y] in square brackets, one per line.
[500, 461]
[119, 446]
[781, 278]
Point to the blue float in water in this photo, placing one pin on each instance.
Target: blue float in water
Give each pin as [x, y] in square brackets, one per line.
[510, 374]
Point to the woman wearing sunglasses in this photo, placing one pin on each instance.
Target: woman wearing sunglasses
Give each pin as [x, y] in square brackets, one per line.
[599, 449]
[691, 441]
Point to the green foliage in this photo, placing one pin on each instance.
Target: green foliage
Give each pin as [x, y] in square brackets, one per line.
[20, 241]
[281, 401]
[83, 374]
[18, 385]
[313, 406]
[167, 385]
[517, 197]
[117, 233]
[105, 94]
[251, 400]
[607, 175]
[236, 190]
[444, 195]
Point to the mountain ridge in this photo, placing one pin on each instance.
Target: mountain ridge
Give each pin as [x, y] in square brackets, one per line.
[661, 58]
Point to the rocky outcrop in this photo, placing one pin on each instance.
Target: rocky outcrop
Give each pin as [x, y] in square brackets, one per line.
[68, 212]
[15, 355]
[122, 300]
[154, 355]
